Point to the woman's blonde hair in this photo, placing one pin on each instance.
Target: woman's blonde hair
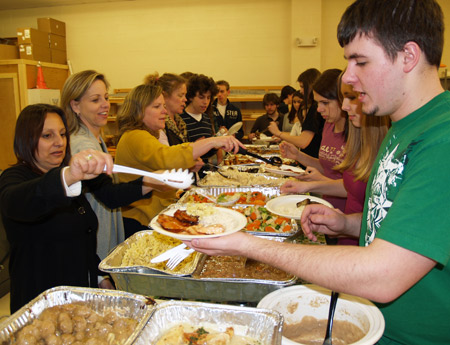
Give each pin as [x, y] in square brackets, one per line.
[169, 82]
[363, 143]
[74, 88]
[131, 114]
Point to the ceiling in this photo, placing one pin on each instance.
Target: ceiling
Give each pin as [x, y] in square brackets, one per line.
[23, 4]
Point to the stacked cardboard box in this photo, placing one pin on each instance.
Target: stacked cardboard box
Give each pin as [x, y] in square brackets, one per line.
[56, 37]
[48, 43]
[33, 44]
[8, 48]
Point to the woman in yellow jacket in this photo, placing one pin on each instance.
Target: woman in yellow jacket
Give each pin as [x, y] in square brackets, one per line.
[140, 119]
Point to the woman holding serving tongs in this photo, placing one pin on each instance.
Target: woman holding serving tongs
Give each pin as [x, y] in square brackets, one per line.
[49, 222]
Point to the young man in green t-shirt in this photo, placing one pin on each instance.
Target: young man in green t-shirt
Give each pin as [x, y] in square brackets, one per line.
[393, 48]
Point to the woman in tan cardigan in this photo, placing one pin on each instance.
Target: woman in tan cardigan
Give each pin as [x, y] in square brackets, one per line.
[140, 119]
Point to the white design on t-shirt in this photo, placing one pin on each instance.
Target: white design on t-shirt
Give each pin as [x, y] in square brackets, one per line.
[389, 169]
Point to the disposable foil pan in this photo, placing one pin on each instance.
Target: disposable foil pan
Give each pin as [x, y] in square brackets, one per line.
[125, 304]
[260, 324]
[217, 190]
[113, 262]
[270, 192]
[188, 287]
[269, 181]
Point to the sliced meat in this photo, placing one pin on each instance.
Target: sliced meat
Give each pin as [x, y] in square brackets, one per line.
[172, 224]
[182, 216]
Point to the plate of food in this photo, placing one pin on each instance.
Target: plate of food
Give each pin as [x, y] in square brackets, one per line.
[291, 206]
[284, 169]
[201, 220]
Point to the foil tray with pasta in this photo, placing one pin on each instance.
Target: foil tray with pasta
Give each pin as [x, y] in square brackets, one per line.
[261, 324]
[124, 304]
[194, 287]
[134, 255]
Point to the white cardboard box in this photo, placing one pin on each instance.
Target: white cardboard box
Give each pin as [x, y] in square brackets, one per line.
[49, 96]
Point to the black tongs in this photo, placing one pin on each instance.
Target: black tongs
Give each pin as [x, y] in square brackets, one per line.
[272, 160]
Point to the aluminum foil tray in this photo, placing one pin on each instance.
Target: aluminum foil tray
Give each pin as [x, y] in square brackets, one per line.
[260, 324]
[217, 190]
[114, 260]
[270, 181]
[123, 303]
[187, 287]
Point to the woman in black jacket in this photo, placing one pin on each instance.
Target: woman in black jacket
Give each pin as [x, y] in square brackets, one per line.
[49, 223]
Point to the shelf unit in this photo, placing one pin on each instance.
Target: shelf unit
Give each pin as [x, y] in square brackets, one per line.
[16, 77]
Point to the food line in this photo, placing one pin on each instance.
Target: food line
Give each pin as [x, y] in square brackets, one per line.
[126, 263]
[228, 282]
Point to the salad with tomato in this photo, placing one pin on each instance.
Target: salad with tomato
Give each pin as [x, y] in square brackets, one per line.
[260, 219]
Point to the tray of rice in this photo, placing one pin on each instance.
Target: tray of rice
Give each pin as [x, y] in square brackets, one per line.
[195, 287]
[134, 255]
[67, 314]
[204, 323]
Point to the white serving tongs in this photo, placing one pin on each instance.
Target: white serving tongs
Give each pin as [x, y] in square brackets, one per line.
[180, 178]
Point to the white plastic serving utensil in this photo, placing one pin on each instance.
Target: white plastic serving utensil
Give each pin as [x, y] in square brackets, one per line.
[180, 178]
[235, 128]
[168, 254]
[229, 202]
[179, 256]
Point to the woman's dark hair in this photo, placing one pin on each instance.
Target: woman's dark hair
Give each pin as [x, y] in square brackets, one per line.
[294, 113]
[393, 23]
[327, 86]
[285, 92]
[307, 78]
[29, 126]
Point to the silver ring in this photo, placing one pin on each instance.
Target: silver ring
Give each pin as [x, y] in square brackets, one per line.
[89, 157]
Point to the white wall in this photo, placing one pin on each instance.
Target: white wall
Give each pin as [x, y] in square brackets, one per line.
[247, 42]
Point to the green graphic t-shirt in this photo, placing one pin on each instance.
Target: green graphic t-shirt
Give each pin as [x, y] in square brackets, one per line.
[408, 204]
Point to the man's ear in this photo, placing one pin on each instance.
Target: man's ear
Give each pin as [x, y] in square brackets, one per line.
[411, 55]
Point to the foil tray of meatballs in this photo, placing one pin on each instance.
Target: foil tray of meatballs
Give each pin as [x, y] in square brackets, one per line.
[67, 315]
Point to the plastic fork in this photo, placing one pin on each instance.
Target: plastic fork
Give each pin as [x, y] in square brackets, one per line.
[175, 260]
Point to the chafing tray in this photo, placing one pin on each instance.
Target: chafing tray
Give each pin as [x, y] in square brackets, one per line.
[270, 181]
[113, 261]
[260, 324]
[101, 301]
[270, 192]
[187, 287]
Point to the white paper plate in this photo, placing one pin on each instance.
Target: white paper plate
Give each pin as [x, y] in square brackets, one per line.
[286, 205]
[233, 129]
[285, 170]
[232, 220]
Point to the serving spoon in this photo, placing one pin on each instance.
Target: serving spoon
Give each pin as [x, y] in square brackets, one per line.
[333, 301]
[277, 161]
